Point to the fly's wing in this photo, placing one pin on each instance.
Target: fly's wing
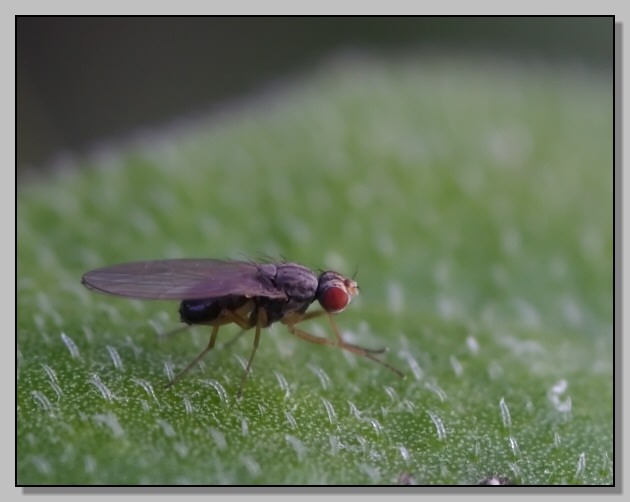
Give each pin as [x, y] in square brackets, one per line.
[184, 279]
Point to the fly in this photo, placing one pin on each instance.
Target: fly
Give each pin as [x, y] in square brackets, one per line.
[248, 294]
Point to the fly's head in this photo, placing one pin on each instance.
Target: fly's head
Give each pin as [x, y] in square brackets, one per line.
[335, 292]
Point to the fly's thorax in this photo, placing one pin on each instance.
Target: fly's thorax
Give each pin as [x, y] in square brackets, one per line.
[335, 292]
[299, 285]
[298, 282]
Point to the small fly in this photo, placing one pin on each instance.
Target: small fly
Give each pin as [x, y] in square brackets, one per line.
[248, 294]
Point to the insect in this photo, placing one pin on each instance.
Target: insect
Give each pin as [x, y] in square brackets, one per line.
[248, 294]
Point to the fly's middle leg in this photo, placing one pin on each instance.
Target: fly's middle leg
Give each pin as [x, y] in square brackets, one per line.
[261, 320]
[237, 319]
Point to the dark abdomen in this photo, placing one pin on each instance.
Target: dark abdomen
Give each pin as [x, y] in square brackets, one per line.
[207, 311]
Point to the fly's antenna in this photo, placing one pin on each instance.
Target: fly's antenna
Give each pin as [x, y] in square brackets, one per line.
[356, 272]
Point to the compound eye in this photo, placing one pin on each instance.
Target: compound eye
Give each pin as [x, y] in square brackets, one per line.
[334, 299]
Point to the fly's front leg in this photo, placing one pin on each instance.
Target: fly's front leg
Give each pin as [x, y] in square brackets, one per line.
[305, 317]
[294, 319]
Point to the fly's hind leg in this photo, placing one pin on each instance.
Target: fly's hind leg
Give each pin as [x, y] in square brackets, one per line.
[339, 342]
[193, 363]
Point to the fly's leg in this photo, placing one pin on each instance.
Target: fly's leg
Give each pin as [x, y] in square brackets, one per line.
[261, 320]
[193, 363]
[174, 331]
[309, 315]
[297, 318]
[355, 349]
[233, 340]
[213, 338]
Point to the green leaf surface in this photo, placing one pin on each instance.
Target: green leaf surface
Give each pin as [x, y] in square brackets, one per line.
[473, 198]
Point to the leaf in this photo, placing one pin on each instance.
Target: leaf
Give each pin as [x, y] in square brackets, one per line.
[473, 198]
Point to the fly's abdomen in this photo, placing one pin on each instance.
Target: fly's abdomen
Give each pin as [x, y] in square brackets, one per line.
[209, 311]
[199, 311]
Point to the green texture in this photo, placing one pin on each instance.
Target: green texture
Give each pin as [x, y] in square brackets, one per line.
[474, 200]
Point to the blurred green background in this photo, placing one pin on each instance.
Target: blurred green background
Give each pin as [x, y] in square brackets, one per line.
[83, 81]
[466, 178]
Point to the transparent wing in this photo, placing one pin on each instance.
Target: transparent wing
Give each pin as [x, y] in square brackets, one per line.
[184, 279]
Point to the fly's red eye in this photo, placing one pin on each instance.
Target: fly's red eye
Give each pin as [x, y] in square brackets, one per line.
[334, 299]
